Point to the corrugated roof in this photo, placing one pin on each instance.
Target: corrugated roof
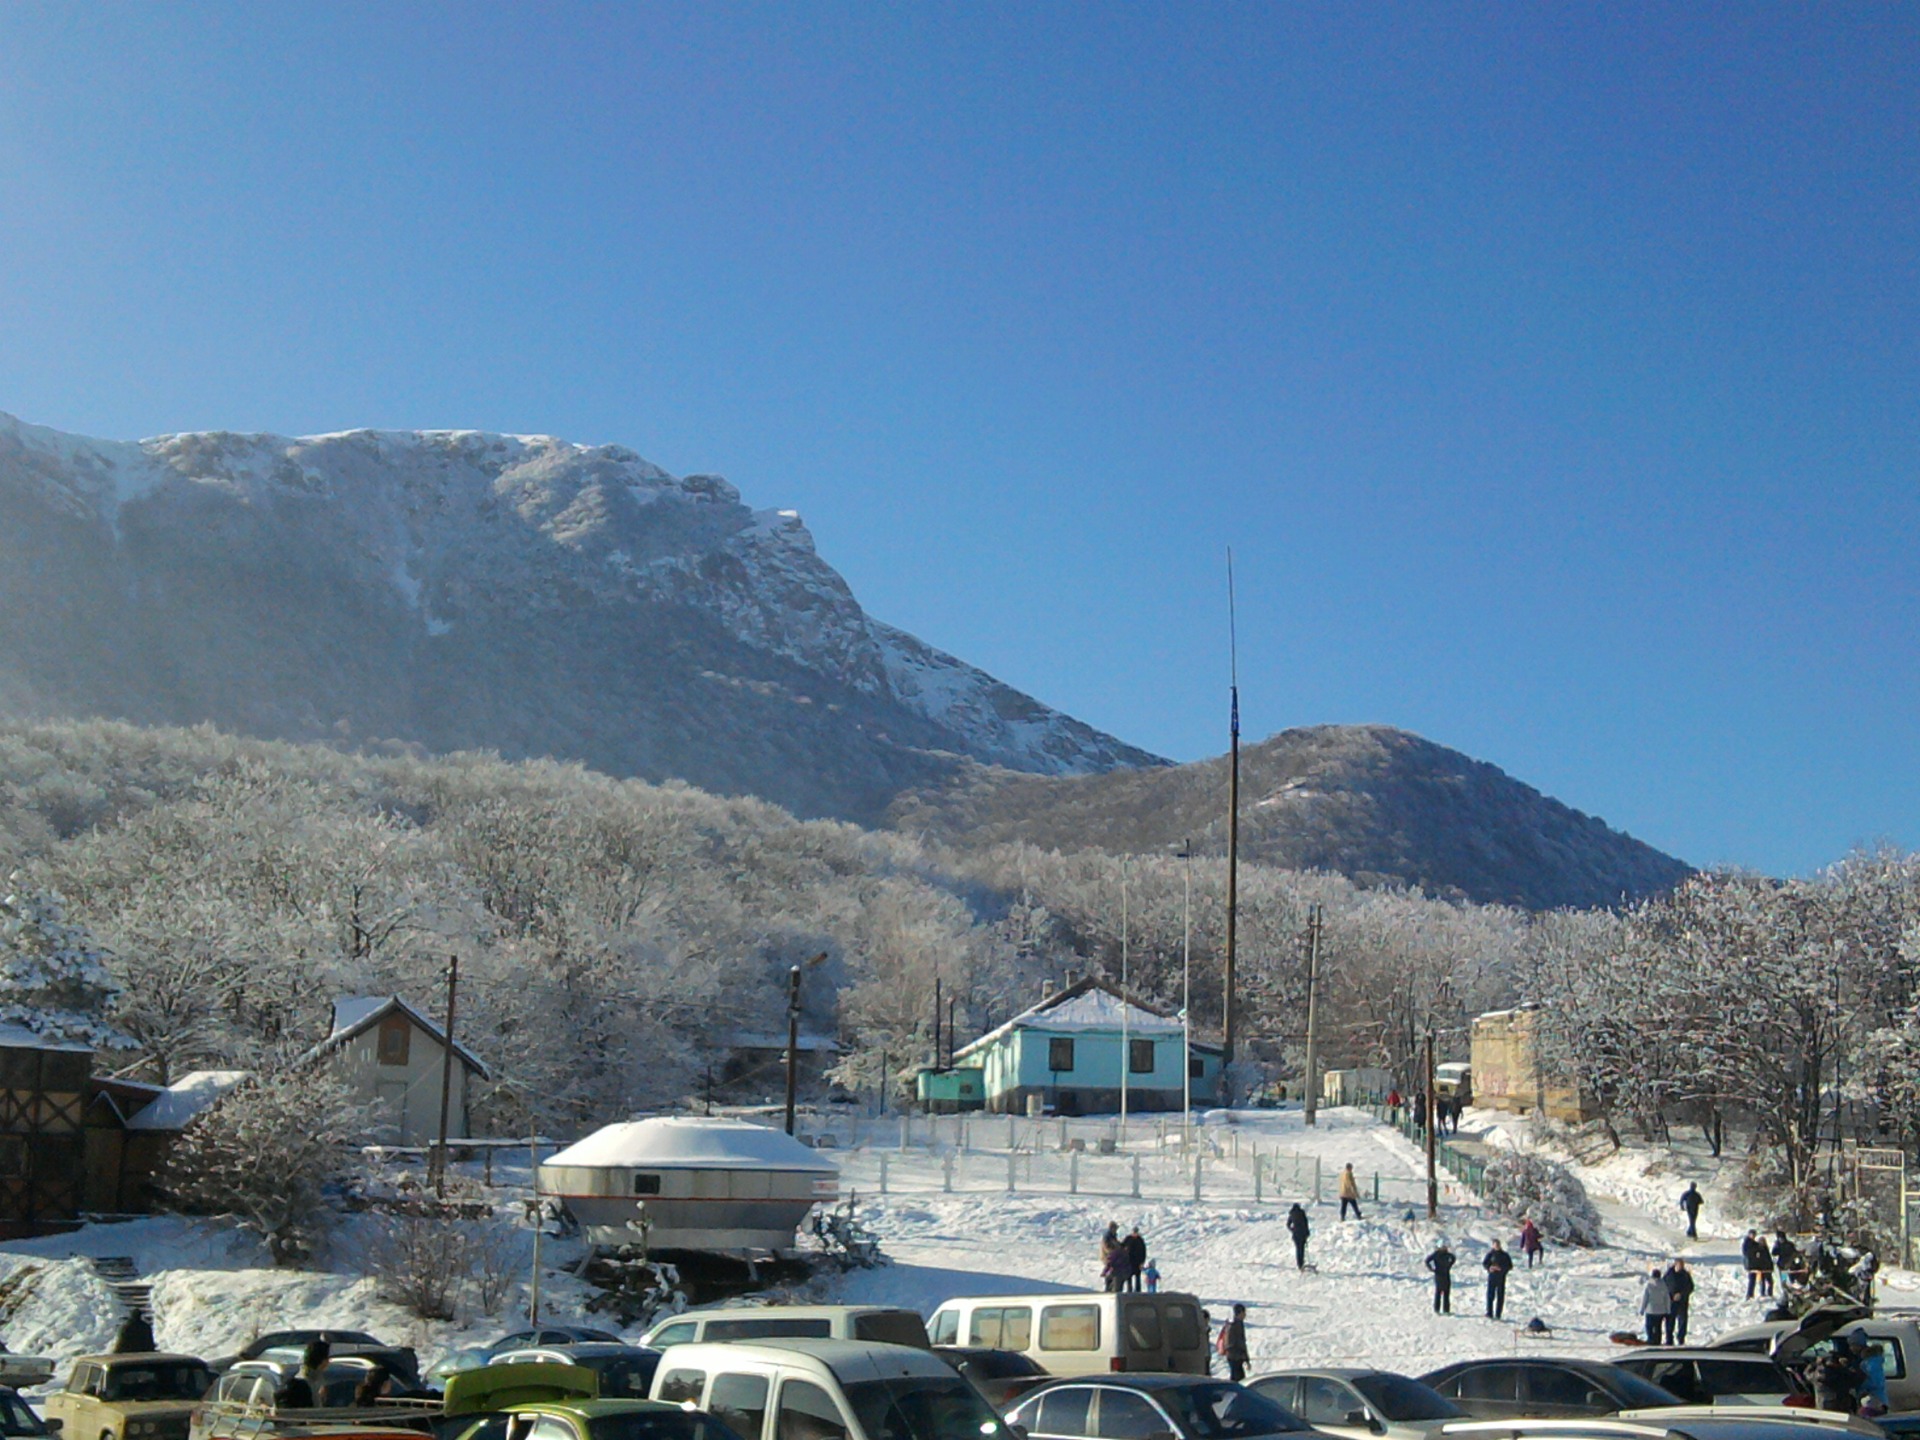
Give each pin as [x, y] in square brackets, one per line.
[1089, 1005]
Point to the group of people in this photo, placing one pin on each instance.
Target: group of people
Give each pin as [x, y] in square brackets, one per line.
[1851, 1377]
[1123, 1261]
[1763, 1261]
[1446, 1111]
[1665, 1301]
[1497, 1262]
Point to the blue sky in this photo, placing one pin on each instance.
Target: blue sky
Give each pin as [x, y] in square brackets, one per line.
[1554, 371]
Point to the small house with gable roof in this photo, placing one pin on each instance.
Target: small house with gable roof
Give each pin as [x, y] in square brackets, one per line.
[1066, 1054]
[392, 1057]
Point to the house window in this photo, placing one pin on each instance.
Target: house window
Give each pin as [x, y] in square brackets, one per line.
[1140, 1057]
[646, 1184]
[1196, 1067]
[1059, 1054]
[396, 1036]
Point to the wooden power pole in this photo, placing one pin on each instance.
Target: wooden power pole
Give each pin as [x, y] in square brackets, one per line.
[446, 1081]
[1312, 1104]
[1233, 841]
[1433, 1183]
[793, 1041]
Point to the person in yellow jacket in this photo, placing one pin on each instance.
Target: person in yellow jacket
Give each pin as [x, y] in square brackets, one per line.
[1349, 1192]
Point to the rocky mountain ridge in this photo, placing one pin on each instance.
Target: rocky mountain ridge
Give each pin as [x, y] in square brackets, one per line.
[459, 589]
[1379, 805]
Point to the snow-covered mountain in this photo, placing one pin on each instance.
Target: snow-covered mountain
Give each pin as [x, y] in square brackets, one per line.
[455, 589]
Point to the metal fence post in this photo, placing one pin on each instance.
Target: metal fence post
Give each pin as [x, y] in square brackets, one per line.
[946, 1173]
[883, 1172]
[1258, 1165]
[1376, 1187]
[1136, 1177]
[1196, 1177]
[1013, 1157]
[1073, 1172]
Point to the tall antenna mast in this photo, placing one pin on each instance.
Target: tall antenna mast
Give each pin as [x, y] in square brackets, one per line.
[1233, 831]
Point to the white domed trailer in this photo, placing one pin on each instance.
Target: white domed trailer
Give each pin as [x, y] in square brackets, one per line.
[706, 1184]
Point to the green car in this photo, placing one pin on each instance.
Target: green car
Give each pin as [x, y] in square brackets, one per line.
[536, 1401]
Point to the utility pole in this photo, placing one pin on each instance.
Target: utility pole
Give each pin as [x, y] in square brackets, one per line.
[1233, 840]
[1313, 1028]
[1186, 1001]
[793, 1041]
[936, 1022]
[446, 1081]
[1126, 1033]
[709, 1087]
[952, 1000]
[1433, 1182]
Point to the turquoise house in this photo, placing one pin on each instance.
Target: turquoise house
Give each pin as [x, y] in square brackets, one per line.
[1066, 1055]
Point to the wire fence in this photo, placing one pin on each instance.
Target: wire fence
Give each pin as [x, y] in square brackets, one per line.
[1149, 1158]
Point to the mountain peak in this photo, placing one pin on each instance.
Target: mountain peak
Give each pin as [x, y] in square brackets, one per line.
[458, 588]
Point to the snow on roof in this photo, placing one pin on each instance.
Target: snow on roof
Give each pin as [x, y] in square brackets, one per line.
[187, 1097]
[1090, 1005]
[686, 1142]
[21, 1036]
[354, 1013]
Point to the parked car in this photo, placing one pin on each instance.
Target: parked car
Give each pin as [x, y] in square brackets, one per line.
[1003, 1376]
[17, 1417]
[298, 1340]
[139, 1396]
[1798, 1343]
[881, 1324]
[452, 1363]
[399, 1361]
[1082, 1332]
[802, 1389]
[1186, 1407]
[246, 1401]
[1704, 1376]
[1756, 1422]
[1544, 1388]
[1359, 1403]
[23, 1372]
[625, 1371]
[545, 1401]
[551, 1335]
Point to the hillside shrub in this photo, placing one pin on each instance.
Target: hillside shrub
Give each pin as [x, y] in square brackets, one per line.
[1525, 1186]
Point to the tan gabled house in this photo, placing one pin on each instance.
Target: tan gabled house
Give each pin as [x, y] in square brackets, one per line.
[392, 1057]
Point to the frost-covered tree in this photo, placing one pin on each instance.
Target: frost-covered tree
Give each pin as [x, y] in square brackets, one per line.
[53, 977]
[263, 1156]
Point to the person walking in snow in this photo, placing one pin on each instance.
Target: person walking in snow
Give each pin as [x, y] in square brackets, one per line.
[1656, 1303]
[1113, 1258]
[1440, 1262]
[1349, 1192]
[1531, 1245]
[135, 1336]
[1300, 1228]
[1788, 1260]
[1152, 1273]
[1690, 1201]
[1498, 1263]
[1679, 1282]
[1420, 1110]
[1759, 1262]
[1233, 1344]
[1136, 1249]
[1393, 1105]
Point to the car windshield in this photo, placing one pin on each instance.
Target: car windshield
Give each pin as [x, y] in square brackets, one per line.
[923, 1407]
[1397, 1398]
[16, 1418]
[161, 1380]
[1224, 1411]
[1635, 1393]
[621, 1376]
[659, 1425]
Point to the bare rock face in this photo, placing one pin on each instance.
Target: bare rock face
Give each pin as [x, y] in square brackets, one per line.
[459, 590]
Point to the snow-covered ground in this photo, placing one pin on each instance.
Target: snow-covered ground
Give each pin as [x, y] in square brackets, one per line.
[1365, 1301]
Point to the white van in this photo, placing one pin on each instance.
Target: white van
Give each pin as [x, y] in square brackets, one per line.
[1083, 1333]
[884, 1324]
[827, 1390]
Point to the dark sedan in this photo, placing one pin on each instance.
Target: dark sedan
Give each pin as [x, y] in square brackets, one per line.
[1003, 1376]
[1139, 1407]
[1545, 1388]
